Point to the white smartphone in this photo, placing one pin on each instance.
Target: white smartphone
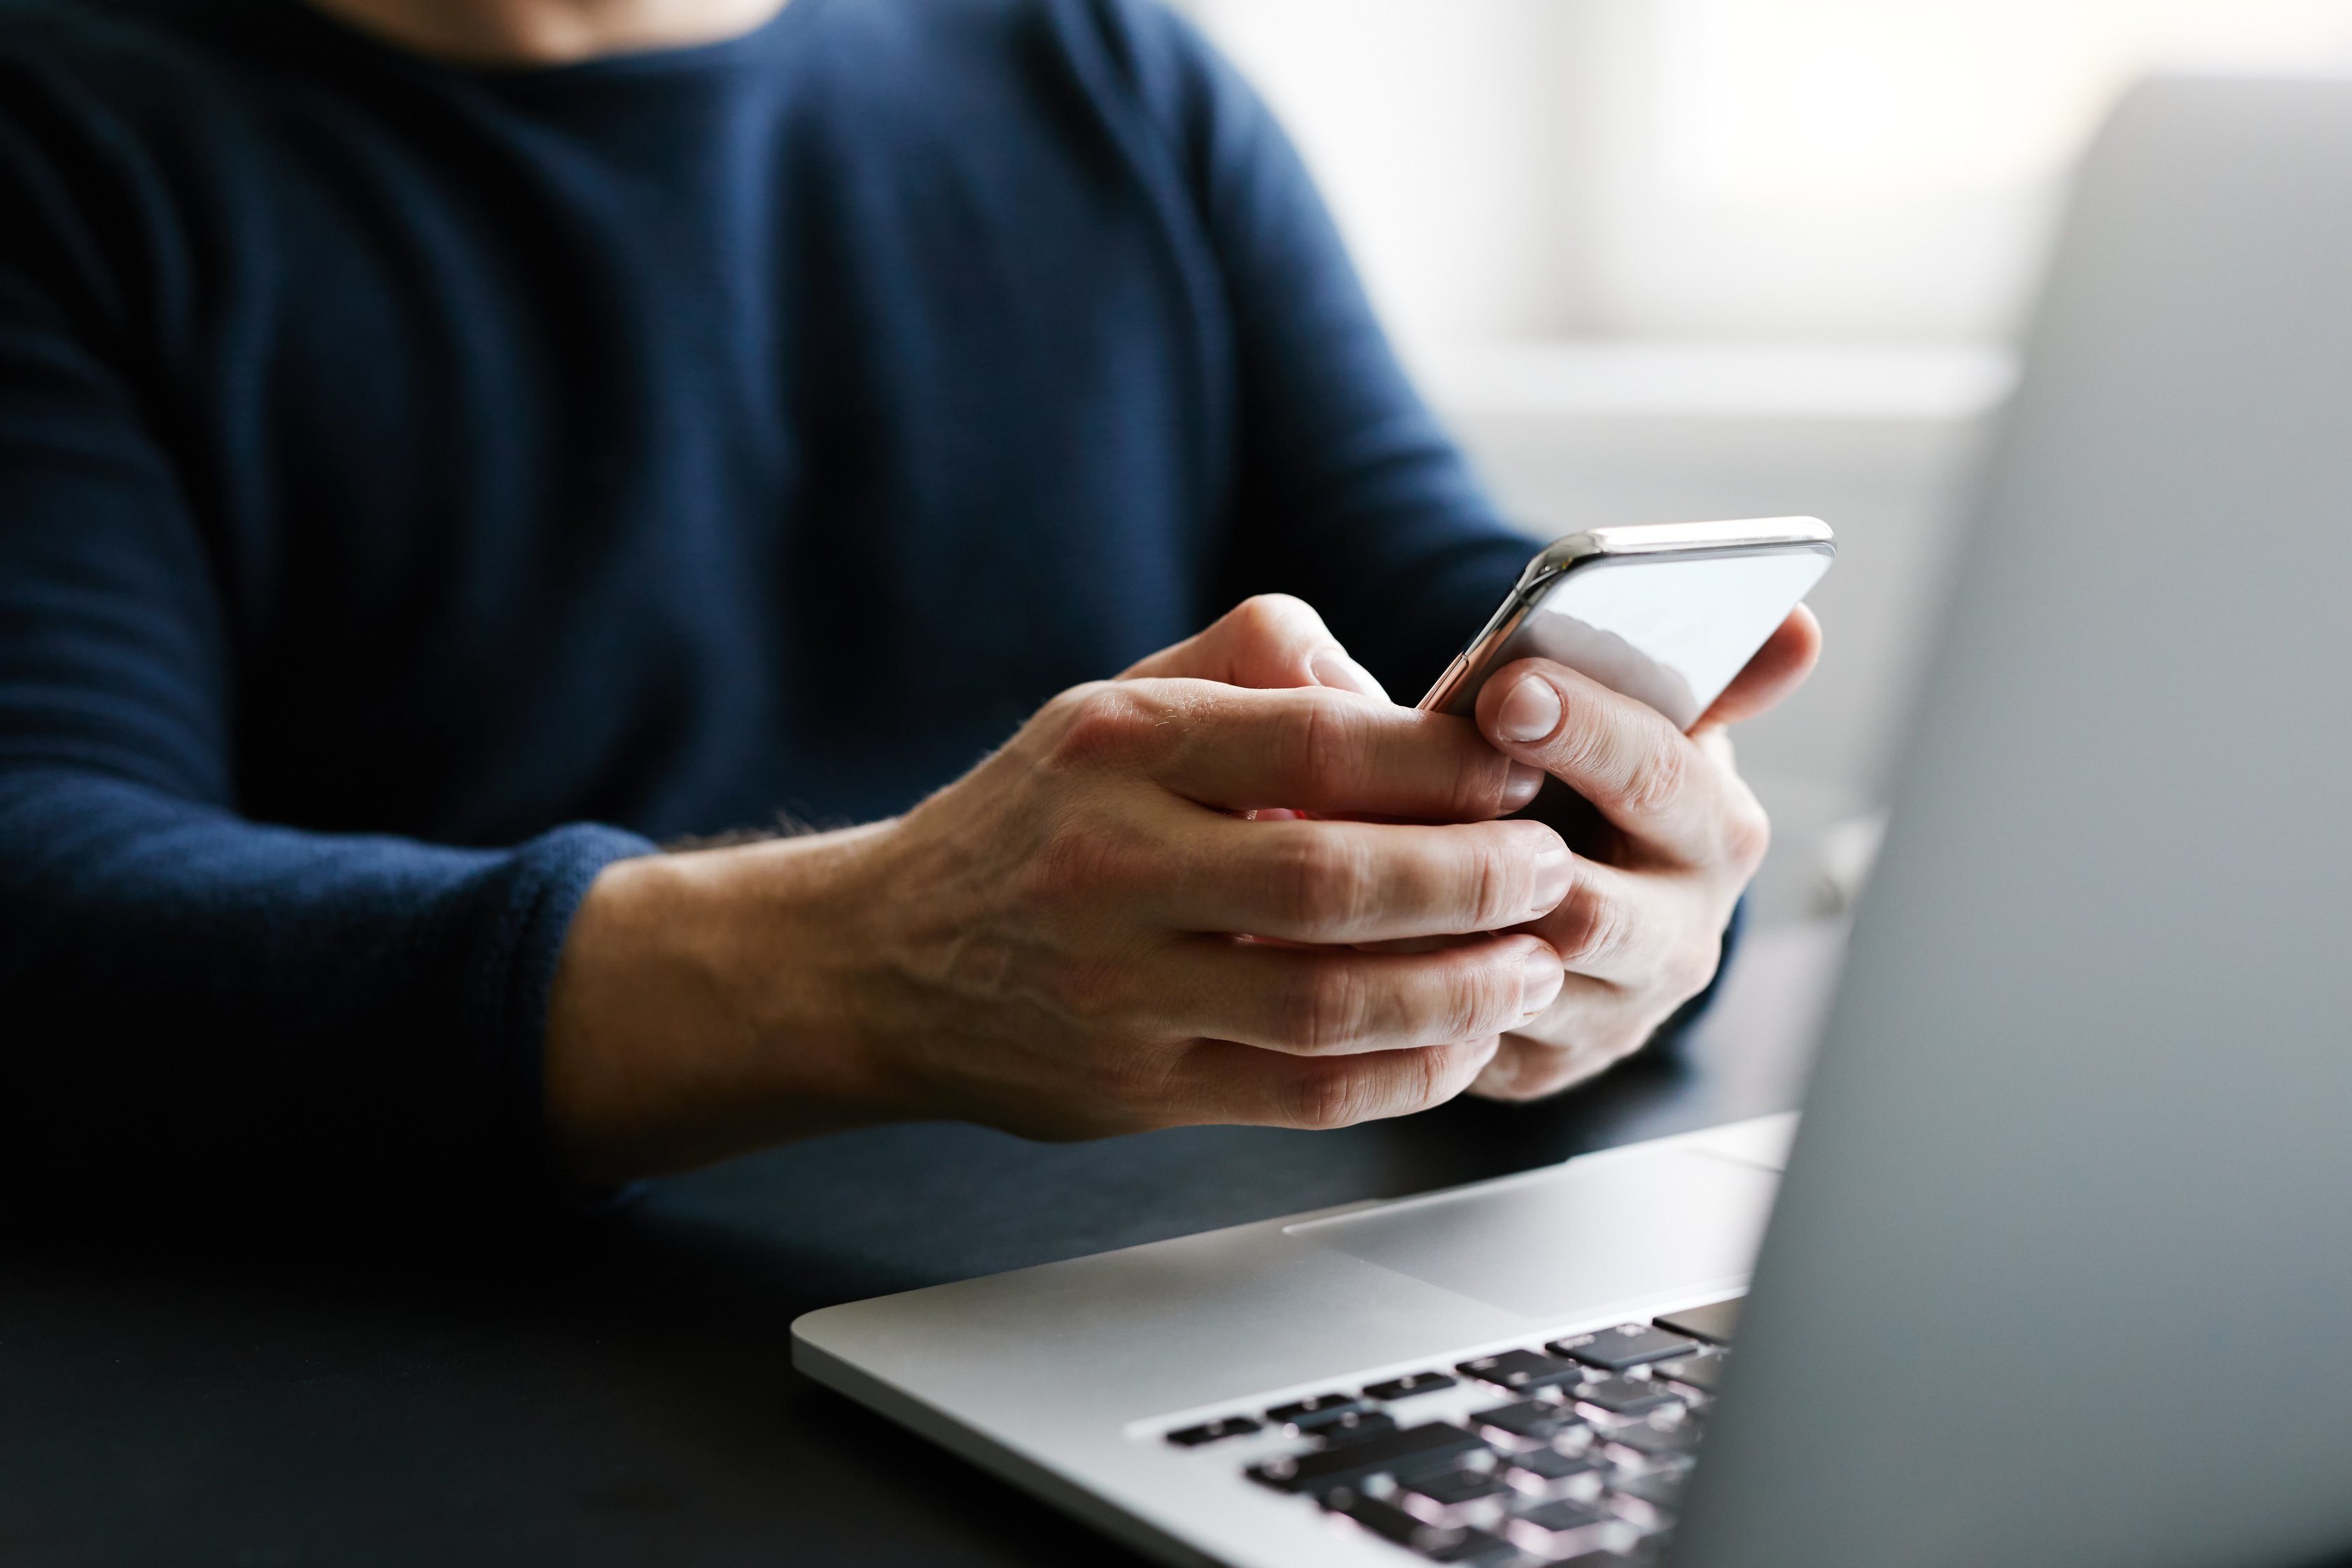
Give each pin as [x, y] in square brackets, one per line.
[1666, 613]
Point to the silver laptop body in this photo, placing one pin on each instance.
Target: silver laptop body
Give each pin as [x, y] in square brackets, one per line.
[2061, 1266]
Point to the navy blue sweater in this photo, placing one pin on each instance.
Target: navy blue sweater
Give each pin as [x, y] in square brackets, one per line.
[421, 486]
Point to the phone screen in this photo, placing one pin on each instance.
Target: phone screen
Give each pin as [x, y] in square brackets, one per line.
[1665, 613]
[1670, 630]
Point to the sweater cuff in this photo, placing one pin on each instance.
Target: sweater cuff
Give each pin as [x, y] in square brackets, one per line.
[537, 892]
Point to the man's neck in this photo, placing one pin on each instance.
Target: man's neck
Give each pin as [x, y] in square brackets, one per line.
[547, 32]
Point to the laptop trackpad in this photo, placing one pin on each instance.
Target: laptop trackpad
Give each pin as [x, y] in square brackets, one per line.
[1605, 1230]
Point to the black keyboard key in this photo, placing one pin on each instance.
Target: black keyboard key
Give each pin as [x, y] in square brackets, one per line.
[1627, 1344]
[1210, 1431]
[1283, 1414]
[1410, 1450]
[1450, 1489]
[1473, 1547]
[1551, 1464]
[1662, 1489]
[1529, 1422]
[1522, 1370]
[1652, 1448]
[1549, 1473]
[1627, 1395]
[1439, 1543]
[1700, 1371]
[1457, 1497]
[1382, 1517]
[1412, 1382]
[1337, 1426]
[1649, 1501]
[1564, 1526]
[1566, 1513]
[1713, 1322]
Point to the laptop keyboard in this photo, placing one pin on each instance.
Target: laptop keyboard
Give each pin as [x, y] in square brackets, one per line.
[1574, 1450]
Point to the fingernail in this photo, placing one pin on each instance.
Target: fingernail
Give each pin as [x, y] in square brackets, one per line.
[1530, 710]
[1520, 785]
[1553, 869]
[1540, 978]
[1334, 668]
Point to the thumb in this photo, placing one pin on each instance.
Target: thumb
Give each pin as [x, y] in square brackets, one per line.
[1270, 641]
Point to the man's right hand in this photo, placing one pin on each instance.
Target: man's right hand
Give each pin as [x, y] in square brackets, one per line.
[1083, 935]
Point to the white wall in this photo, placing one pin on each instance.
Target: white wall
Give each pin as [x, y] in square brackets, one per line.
[1445, 142]
[1841, 170]
[1660, 259]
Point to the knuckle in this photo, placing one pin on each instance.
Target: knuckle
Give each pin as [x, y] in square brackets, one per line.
[1322, 735]
[1103, 722]
[1253, 614]
[1331, 1097]
[1482, 789]
[1656, 776]
[1498, 892]
[1319, 882]
[1343, 1093]
[1141, 1085]
[1588, 928]
[1581, 746]
[1268, 632]
[1432, 1080]
[1475, 792]
[1475, 1001]
[1270, 612]
[1325, 1010]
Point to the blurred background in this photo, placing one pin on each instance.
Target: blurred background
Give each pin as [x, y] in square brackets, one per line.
[1658, 260]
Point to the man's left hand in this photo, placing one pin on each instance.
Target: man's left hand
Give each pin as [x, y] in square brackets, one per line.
[1641, 929]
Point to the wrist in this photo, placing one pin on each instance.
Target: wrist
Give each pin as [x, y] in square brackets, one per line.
[706, 1005]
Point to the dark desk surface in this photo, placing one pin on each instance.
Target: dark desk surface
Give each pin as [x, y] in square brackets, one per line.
[628, 1397]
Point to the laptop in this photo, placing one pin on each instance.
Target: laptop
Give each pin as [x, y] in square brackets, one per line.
[2058, 1268]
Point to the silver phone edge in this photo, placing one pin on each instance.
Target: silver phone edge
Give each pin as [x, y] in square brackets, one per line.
[1634, 539]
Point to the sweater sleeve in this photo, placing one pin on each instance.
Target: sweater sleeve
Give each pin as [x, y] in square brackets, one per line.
[1348, 491]
[198, 1003]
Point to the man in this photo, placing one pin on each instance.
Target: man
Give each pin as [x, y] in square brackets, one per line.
[448, 445]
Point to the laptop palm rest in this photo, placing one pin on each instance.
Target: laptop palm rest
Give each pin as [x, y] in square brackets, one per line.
[1618, 1227]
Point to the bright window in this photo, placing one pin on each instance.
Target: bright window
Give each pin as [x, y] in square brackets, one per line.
[1842, 169]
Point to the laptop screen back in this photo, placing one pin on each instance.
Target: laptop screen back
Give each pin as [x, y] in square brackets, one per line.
[2062, 1269]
